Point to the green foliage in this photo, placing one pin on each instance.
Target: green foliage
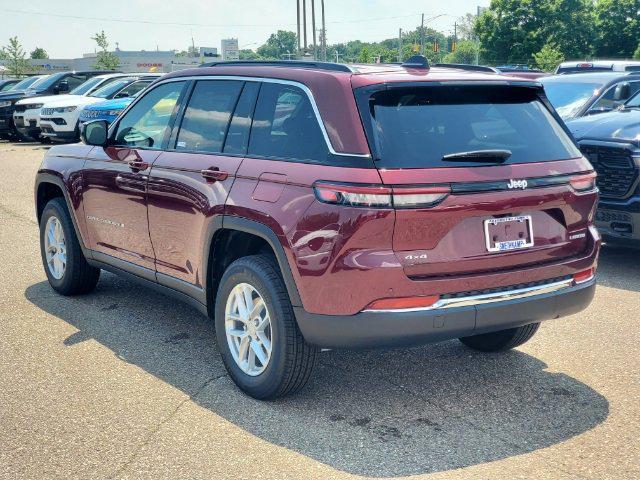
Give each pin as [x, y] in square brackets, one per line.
[39, 53]
[279, 46]
[549, 57]
[465, 53]
[618, 26]
[512, 30]
[636, 55]
[247, 54]
[14, 56]
[106, 60]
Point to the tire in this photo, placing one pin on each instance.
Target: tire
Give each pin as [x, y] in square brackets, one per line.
[501, 340]
[78, 277]
[291, 359]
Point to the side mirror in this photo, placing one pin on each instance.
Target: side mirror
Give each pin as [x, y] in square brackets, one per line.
[63, 87]
[622, 91]
[95, 133]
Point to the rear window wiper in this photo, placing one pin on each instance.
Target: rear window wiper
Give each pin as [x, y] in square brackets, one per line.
[481, 156]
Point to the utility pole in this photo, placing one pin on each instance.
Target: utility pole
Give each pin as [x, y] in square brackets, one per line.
[324, 34]
[298, 19]
[313, 26]
[400, 46]
[304, 23]
[422, 36]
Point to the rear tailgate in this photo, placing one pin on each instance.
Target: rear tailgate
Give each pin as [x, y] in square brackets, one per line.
[463, 234]
[518, 191]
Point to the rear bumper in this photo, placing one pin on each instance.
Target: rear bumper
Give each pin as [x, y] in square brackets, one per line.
[404, 328]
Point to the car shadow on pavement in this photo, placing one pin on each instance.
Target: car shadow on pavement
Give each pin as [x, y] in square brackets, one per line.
[621, 268]
[374, 413]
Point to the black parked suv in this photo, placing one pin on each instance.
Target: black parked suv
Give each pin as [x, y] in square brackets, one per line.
[611, 141]
[57, 83]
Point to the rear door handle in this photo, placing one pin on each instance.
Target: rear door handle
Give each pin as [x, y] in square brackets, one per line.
[138, 165]
[214, 174]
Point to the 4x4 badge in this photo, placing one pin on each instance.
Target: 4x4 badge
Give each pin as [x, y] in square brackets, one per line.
[517, 184]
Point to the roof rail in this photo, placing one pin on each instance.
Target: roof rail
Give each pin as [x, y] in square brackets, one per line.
[334, 67]
[470, 68]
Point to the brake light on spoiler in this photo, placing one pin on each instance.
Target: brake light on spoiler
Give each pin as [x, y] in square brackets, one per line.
[379, 196]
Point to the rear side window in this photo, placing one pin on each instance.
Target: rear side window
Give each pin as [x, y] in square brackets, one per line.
[207, 116]
[417, 127]
[285, 126]
[237, 139]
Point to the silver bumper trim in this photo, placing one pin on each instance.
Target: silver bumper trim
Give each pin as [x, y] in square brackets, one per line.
[473, 300]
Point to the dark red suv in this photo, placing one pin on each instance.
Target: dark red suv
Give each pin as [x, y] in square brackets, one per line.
[310, 205]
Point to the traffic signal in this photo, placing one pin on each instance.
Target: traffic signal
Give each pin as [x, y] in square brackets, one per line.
[436, 47]
[454, 46]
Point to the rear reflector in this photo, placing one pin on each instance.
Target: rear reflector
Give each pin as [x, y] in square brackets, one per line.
[582, 277]
[583, 183]
[403, 303]
[378, 196]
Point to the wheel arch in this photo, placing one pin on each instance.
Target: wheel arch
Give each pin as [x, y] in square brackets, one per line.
[49, 186]
[247, 237]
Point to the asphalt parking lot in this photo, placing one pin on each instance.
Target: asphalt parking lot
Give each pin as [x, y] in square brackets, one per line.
[126, 383]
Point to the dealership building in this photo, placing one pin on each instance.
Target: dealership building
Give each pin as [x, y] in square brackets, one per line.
[139, 61]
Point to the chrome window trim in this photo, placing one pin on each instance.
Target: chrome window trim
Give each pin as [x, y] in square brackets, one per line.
[487, 298]
[293, 83]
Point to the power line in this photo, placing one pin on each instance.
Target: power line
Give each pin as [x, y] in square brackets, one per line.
[188, 24]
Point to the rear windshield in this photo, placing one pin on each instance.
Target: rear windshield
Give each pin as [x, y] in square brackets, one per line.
[415, 127]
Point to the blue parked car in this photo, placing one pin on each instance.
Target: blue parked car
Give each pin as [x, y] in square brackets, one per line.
[107, 110]
[110, 109]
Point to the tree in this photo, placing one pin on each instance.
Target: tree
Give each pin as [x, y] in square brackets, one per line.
[466, 52]
[511, 31]
[39, 53]
[106, 60]
[549, 57]
[248, 54]
[279, 45]
[14, 55]
[618, 26]
[636, 55]
[465, 26]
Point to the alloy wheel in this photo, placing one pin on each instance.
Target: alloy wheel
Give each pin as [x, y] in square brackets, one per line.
[248, 329]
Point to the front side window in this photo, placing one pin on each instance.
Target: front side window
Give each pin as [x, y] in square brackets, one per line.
[285, 126]
[147, 122]
[207, 116]
[609, 102]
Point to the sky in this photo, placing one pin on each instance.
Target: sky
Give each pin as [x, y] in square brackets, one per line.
[64, 28]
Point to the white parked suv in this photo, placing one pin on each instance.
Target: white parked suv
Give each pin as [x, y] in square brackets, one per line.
[59, 118]
[26, 115]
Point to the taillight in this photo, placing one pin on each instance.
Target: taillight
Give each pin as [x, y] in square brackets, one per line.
[584, 276]
[406, 303]
[380, 196]
[583, 183]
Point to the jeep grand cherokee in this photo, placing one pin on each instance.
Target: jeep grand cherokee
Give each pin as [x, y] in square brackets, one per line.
[310, 205]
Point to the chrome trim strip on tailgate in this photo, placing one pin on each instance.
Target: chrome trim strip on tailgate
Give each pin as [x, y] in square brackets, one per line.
[487, 297]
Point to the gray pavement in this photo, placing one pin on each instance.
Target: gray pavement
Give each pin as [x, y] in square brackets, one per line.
[126, 383]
